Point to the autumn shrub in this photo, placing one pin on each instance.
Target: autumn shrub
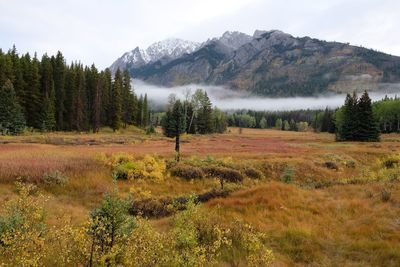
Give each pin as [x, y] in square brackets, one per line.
[23, 230]
[391, 162]
[146, 246]
[116, 158]
[246, 246]
[195, 241]
[223, 173]
[125, 170]
[55, 178]
[253, 173]
[109, 228]
[125, 167]
[68, 245]
[287, 175]
[187, 172]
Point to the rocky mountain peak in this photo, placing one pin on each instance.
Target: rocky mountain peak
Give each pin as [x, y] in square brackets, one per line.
[167, 49]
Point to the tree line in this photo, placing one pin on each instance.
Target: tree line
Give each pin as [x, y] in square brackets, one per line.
[48, 94]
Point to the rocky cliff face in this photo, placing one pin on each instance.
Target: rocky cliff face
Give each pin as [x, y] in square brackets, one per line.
[275, 63]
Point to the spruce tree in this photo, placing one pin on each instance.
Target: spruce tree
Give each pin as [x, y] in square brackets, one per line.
[173, 124]
[204, 118]
[367, 124]
[116, 105]
[12, 119]
[349, 127]
[139, 115]
[145, 112]
[48, 111]
[106, 79]
[58, 66]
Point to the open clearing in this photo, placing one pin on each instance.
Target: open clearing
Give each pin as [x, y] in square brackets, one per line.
[330, 213]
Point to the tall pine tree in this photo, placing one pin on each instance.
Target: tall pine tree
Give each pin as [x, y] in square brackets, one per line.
[12, 119]
[116, 103]
[367, 124]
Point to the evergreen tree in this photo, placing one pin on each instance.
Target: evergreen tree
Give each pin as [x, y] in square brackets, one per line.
[174, 124]
[17, 78]
[70, 98]
[106, 97]
[327, 124]
[127, 101]
[139, 115]
[204, 119]
[145, 112]
[367, 124]
[58, 66]
[48, 119]
[116, 105]
[33, 97]
[348, 130]
[12, 119]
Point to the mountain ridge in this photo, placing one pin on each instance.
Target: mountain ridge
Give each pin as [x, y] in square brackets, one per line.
[275, 63]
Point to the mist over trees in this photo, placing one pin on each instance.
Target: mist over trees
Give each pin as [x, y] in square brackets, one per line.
[199, 117]
[53, 95]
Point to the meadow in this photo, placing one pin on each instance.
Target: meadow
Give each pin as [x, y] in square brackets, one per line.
[317, 202]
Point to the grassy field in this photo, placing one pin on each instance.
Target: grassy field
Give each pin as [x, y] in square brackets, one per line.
[319, 202]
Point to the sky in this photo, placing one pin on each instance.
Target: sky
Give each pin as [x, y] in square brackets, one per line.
[100, 31]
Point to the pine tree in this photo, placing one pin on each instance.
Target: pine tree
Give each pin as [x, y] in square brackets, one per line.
[116, 105]
[127, 100]
[17, 78]
[48, 118]
[367, 125]
[12, 119]
[145, 112]
[174, 124]
[327, 124]
[139, 115]
[58, 66]
[80, 121]
[106, 97]
[33, 97]
[204, 119]
[349, 127]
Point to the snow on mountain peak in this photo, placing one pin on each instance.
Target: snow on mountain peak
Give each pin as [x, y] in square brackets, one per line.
[170, 48]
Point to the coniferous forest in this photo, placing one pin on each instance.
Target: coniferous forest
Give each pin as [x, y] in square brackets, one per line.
[48, 94]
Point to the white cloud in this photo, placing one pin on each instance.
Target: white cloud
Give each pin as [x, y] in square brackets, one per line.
[99, 31]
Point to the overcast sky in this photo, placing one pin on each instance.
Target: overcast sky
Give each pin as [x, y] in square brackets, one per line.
[100, 31]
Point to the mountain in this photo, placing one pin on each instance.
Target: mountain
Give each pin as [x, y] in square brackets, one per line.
[164, 51]
[275, 63]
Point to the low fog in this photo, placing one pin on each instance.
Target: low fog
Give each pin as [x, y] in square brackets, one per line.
[227, 99]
